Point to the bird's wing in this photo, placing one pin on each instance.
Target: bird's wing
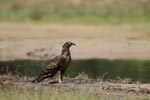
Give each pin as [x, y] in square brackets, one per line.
[54, 64]
[51, 69]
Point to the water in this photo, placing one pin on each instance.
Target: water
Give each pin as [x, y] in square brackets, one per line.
[136, 70]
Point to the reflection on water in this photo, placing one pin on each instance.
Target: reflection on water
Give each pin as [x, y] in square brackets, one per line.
[134, 69]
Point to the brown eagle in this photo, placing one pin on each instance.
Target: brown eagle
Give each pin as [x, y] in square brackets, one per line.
[58, 65]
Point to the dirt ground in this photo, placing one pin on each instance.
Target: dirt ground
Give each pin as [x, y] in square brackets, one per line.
[44, 41]
[81, 85]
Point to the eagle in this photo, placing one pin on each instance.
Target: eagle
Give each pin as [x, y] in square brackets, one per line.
[57, 66]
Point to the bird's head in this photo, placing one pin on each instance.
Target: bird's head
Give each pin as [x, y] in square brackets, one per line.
[68, 44]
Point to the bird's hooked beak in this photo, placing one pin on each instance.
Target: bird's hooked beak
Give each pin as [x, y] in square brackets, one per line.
[73, 44]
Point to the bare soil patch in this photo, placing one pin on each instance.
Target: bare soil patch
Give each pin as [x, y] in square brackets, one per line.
[34, 41]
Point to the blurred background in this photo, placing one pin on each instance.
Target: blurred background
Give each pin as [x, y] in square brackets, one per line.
[76, 11]
[112, 36]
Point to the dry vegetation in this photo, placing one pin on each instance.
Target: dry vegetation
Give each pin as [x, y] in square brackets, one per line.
[79, 88]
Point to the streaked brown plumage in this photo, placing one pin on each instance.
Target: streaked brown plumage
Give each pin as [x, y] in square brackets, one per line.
[58, 65]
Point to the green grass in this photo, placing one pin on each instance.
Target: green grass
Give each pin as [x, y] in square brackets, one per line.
[96, 12]
[35, 16]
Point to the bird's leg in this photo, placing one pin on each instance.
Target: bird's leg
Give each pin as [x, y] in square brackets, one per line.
[62, 74]
[59, 76]
[60, 81]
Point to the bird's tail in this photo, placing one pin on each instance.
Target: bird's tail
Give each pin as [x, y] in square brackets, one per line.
[40, 78]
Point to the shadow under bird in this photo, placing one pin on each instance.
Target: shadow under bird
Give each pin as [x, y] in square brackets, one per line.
[57, 66]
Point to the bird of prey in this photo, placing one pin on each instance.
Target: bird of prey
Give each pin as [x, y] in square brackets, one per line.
[57, 66]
